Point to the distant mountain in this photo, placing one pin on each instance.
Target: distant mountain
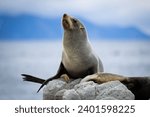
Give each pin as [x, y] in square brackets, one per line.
[29, 27]
[33, 27]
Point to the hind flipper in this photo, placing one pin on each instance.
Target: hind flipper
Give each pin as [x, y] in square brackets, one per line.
[30, 78]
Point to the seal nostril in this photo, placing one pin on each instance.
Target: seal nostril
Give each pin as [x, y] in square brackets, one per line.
[65, 15]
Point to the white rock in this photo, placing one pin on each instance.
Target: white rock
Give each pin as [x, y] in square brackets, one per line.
[114, 90]
[59, 94]
[71, 95]
[86, 90]
[52, 88]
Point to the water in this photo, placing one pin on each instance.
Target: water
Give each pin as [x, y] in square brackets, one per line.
[42, 59]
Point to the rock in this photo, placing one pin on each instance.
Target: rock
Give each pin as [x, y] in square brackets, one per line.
[52, 88]
[86, 90]
[71, 95]
[71, 84]
[59, 95]
[74, 90]
[114, 90]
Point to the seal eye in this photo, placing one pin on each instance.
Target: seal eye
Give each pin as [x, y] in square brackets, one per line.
[74, 20]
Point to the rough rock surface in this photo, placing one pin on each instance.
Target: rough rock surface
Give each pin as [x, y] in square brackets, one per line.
[74, 90]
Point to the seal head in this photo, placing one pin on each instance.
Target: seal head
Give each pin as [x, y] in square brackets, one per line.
[70, 23]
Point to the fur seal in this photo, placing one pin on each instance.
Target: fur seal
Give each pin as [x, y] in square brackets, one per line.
[139, 86]
[78, 57]
[79, 61]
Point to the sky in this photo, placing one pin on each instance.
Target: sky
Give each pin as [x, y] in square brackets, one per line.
[122, 13]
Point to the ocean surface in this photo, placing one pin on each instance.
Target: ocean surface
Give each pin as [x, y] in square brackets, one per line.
[42, 58]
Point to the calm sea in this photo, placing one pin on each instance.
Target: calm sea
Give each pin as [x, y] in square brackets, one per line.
[129, 58]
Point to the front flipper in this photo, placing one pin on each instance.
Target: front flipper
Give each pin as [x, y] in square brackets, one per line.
[65, 77]
[60, 72]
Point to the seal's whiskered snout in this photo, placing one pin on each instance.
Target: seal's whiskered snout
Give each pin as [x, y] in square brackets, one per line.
[70, 23]
[66, 22]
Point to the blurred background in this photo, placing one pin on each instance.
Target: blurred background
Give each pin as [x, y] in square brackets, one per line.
[31, 39]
